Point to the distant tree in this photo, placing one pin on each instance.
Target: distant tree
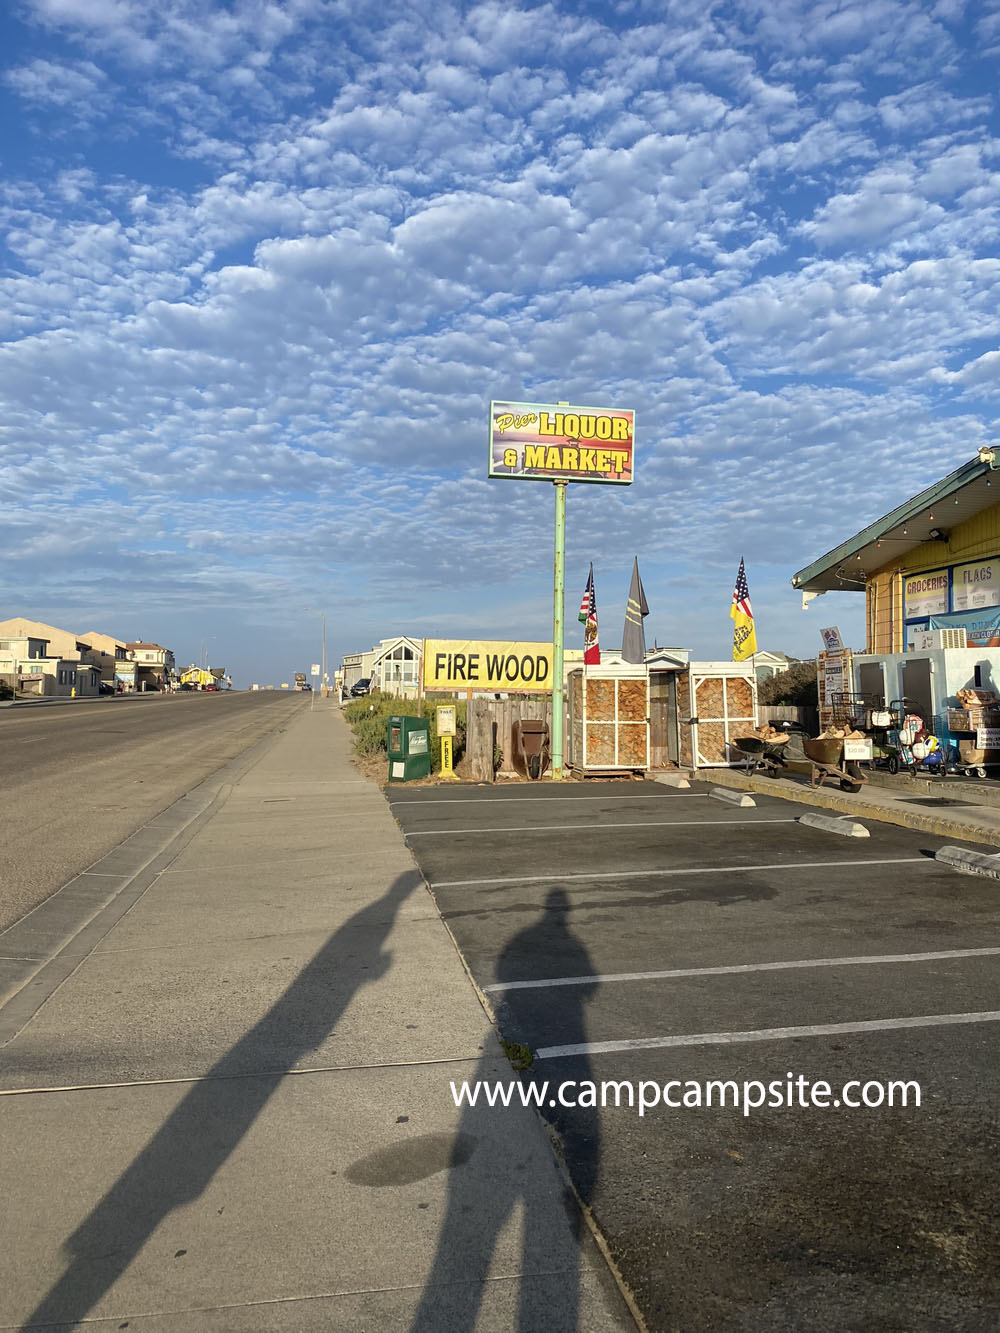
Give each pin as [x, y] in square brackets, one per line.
[796, 687]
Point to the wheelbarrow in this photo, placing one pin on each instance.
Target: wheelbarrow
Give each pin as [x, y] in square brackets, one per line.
[760, 754]
[826, 754]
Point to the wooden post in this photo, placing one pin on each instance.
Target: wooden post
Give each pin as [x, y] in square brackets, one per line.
[479, 740]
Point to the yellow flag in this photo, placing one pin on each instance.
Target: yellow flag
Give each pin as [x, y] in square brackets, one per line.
[744, 632]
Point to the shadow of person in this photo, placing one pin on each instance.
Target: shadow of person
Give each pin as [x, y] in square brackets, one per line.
[510, 1170]
[196, 1139]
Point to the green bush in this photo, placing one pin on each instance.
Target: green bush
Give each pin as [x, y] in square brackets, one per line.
[796, 686]
[368, 717]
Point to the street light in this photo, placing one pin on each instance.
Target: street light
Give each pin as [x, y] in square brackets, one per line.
[322, 616]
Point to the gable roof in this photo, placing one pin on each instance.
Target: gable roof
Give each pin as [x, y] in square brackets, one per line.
[387, 645]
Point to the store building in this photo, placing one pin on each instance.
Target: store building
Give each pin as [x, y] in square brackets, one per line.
[930, 575]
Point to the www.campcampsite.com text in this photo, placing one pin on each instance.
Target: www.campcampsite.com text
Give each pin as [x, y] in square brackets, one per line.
[793, 1092]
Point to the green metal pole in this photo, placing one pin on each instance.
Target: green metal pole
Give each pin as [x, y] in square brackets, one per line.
[558, 608]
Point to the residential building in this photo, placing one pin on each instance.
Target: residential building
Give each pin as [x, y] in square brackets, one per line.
[767, 664]
[27, 664]
[201, 677]
[106, 651]
[355, 667]
[154, 665]
[395, 666]
[61, 642]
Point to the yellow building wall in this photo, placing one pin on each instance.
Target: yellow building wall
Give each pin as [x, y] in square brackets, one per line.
[976, 538]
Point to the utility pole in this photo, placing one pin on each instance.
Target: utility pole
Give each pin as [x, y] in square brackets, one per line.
[322, 616]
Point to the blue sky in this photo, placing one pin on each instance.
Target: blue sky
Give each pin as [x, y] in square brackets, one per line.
[266, 264]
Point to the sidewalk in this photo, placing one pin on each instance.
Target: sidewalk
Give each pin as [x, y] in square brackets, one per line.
[226, 1106]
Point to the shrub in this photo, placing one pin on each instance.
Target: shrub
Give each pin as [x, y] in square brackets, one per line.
[796, 687]
[368, 717]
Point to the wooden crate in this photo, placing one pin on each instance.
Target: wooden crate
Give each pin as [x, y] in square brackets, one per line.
[971, 719]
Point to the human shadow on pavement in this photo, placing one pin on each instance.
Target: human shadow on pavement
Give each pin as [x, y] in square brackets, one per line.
[197, 1138]
[486, 1189]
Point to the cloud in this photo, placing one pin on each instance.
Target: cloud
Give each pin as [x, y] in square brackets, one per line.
[265, 265]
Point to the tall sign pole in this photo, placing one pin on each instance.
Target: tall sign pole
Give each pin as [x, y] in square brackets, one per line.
[560, 443]
[558, 631]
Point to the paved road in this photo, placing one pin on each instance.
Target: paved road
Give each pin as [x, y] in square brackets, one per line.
[77, 778]
[626, 931]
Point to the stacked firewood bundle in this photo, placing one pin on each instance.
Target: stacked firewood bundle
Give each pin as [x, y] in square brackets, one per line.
[766, 732]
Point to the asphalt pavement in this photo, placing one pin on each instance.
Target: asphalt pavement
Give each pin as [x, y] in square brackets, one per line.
[78, 776]
[225, 1085]
[229, 1049]
[627, 933]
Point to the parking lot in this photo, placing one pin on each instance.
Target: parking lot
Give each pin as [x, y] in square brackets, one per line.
[631, 932]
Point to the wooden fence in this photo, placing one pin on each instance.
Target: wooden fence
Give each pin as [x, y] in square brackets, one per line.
[490, 723]
[809, 717]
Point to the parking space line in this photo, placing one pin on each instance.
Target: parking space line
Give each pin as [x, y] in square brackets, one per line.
[512, 800]
[596, 828]
[681, 870]
[738, 968]
[767, 1034]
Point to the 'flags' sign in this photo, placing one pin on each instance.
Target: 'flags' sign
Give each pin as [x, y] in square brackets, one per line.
[744, 632]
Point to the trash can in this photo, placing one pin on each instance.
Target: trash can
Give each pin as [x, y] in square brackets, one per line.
[408, 741]
[531, 746]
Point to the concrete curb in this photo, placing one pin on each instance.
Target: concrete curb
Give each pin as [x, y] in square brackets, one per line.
[858, 805]
[845, 827]
[733, 797]
[968, 862]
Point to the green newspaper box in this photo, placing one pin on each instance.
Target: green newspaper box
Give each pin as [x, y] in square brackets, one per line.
[408, 740]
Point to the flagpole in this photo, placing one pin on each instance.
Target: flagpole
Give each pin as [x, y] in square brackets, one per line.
[558, 599]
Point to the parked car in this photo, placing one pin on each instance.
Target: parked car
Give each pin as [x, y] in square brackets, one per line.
[212, 687]
[360, 687]
[107, 687]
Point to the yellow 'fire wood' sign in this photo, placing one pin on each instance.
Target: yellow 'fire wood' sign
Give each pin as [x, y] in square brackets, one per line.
[498, 665]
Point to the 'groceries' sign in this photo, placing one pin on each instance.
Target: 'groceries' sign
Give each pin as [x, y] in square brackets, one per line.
[487, 664]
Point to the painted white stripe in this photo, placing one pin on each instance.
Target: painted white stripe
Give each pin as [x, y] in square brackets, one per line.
[513, 800]
[768, 1034]
[683, 870]
[228, 1078]
[738, 968]
[598, 828]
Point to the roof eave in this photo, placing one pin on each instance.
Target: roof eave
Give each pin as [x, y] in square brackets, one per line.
[821, 570]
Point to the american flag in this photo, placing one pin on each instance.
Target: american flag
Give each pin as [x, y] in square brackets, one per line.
[744, 631]
[741, 593]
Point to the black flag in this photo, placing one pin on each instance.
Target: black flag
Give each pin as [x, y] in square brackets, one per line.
[634, 637]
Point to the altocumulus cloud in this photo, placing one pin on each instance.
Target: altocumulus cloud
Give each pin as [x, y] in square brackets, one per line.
[264, 265]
